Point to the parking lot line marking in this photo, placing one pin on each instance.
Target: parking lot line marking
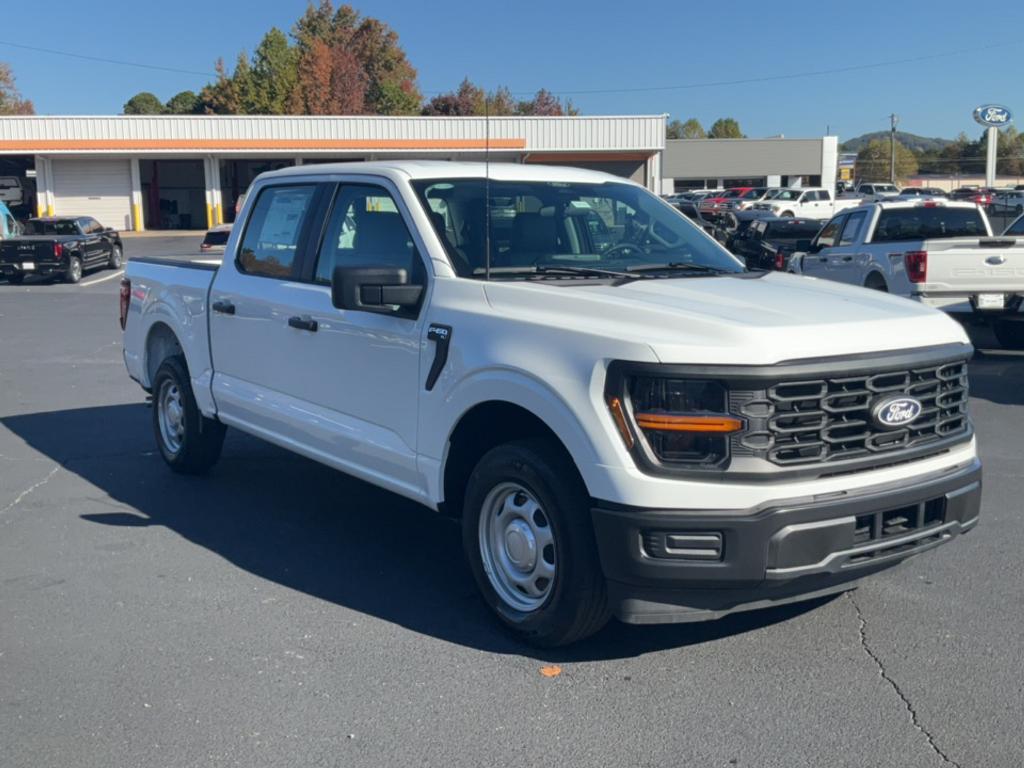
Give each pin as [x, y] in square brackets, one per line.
[102, 279]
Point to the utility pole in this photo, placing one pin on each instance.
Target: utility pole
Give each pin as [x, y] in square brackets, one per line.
[894, 120]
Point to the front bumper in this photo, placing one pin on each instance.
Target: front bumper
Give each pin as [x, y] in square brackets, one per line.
[691, 565]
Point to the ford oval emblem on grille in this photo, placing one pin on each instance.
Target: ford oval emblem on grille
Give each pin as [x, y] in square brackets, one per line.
[895, 412]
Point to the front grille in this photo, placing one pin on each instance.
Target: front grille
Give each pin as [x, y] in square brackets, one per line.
[818, 421]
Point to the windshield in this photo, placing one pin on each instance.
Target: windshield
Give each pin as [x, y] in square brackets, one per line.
[558, 225]
[920, 223]
[885, 188]
[752, 194]
[38, 227]
[788, 194]
[730, 193]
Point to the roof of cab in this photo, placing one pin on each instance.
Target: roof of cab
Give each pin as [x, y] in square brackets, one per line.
[448, 169]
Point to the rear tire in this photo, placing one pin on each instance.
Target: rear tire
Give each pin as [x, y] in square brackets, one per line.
[787, 214]
[876, 283]
[15, 279]
[74, 271]
[528, 537]
[116, 258]
[1010, 333]
[189, 442]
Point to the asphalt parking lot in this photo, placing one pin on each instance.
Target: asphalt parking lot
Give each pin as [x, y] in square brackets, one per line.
[277, 613]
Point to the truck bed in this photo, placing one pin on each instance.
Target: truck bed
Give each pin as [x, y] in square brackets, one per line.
[172, 291]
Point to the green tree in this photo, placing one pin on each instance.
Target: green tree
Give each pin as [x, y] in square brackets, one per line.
[144, 103]
[873, 161]
[11, 102]
[184, 103]
[691, 129]
[273, 76]
[391, 79]
[725, 128]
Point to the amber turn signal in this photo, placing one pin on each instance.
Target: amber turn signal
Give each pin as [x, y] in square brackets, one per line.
[665, 422]
[619, 416]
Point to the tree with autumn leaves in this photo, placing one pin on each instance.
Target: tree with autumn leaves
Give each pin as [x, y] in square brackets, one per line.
[11, 102]
[337, 62]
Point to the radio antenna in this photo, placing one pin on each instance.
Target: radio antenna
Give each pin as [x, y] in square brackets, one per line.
[487, 188]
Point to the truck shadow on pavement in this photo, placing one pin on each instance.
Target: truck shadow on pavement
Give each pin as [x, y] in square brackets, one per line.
[304, 526]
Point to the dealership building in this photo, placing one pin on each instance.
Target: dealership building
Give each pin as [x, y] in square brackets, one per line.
[723, 163]
[187, 172]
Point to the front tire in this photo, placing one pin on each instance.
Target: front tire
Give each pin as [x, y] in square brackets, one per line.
[189, 442]
[74, 271]
[527, 535]
[787, 214]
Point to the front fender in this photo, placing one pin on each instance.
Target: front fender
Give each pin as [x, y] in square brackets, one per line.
[583, 430]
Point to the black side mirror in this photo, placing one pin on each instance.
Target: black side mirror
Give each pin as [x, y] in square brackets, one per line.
[374, 289]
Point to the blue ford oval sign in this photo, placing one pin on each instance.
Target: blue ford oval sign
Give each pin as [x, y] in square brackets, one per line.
[993, 115]
[895, 412]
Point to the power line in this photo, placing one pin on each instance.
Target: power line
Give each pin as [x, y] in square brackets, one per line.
[120, 62]
[769, 78]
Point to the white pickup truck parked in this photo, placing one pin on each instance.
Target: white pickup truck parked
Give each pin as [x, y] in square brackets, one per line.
[626, 420]
[937, 252]
[806, 203]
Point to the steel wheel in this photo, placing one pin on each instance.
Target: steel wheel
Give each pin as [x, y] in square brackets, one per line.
[517, 546]
[171, 416]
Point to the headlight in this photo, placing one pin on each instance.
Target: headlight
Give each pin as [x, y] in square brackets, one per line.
[673, 422]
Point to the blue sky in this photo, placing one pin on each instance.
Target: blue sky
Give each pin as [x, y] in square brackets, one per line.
[569, 46]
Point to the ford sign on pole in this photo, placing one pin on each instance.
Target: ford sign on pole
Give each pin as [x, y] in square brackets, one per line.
[993, 116]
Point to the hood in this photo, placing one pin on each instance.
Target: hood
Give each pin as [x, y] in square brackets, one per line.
[733, 320]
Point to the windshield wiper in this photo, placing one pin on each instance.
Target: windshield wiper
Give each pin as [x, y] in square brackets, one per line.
[566, 270]
[680, 265]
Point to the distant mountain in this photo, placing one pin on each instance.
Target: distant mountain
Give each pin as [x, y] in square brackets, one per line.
[909, 140]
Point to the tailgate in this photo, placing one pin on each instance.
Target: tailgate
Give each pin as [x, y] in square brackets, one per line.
[971, 265]
[17, 251]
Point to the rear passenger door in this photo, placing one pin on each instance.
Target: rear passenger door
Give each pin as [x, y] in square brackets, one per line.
[251, 344]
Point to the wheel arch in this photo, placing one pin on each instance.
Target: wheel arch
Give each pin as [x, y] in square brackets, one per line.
[161, 342]
[481, 427]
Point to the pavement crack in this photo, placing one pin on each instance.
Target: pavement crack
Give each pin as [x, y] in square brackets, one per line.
[38, 484]
[884, 674]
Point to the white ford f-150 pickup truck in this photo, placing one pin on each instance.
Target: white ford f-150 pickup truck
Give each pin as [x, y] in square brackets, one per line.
[937, 252]
[806, 203]
[626, 420]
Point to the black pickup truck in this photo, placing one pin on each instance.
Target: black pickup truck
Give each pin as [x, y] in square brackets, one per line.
[60, 247]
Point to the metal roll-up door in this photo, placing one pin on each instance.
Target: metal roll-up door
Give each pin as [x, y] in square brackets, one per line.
[98, 188]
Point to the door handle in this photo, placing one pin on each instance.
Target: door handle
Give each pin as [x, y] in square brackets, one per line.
[847, 258]
[303, 323]
[224, 307]
[823, 259]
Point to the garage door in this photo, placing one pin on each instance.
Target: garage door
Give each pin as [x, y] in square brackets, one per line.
[98, 188]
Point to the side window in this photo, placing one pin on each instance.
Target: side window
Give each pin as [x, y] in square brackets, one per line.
[828, 236]
[273, 231]
[366, 229]
[852, 229]
[825, 195]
